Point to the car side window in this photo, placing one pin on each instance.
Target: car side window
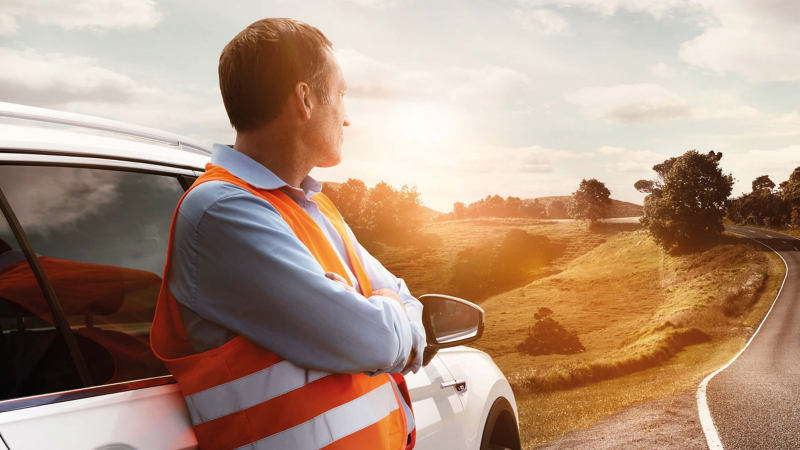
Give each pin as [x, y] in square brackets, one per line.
[101, 236]
[33, 355]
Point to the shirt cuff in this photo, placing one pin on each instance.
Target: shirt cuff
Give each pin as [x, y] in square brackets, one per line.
[403, 331]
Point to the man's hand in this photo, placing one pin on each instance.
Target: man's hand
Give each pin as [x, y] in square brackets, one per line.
[383, 292]
[388, 293]
[338, 278]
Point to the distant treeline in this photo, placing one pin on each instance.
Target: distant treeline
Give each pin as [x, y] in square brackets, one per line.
[769, 205]
[377, 211]
[496, 206]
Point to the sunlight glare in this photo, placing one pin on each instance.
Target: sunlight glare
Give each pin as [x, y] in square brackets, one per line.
[425, 124]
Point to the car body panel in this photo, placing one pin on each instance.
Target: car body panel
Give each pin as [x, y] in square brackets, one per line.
[144, 419]
[438, 412]
[485, 384]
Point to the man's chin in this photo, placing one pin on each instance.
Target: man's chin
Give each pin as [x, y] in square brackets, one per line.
[332, 160]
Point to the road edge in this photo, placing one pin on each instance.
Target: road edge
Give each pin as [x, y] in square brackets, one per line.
[706, 421]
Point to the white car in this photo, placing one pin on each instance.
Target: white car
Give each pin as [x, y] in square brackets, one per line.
[86, 206]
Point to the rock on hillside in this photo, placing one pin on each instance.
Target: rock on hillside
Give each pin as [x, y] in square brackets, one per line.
[618, 207]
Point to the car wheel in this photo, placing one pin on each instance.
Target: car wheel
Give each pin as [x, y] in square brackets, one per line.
[501, 431]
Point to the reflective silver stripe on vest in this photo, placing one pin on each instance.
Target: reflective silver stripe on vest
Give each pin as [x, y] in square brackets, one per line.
[333, 425]
[248, 391]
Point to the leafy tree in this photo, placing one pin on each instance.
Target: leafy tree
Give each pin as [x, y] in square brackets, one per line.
[590, 202]
[349, 201]
[459, 210]
[689, 203]
[790, 190]
[533, 208]
[763, 183]
[557, 209]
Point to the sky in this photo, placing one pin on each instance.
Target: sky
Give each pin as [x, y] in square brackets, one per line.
[462, 98]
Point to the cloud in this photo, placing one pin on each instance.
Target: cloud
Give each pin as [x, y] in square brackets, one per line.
[96, 15]
[662, 70]
[368, 78]
[50, 79]
[756, 39]
[534, 159]
[609, 150]
[792, 118]
[56, 202]
[543, 21]
[656, 8]
[739, 112]
[377, 4]
[630, 161]
[629, 103]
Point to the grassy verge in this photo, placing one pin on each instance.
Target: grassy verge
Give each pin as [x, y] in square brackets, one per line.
[645, 318]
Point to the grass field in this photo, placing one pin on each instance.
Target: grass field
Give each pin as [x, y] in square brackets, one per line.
[641, 315]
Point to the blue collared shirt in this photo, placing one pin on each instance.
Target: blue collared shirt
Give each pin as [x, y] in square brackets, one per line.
[238, 269]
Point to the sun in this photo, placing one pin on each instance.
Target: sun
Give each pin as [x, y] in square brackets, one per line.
[424, 124]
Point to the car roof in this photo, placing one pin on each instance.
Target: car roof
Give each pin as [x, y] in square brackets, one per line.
[87, 136]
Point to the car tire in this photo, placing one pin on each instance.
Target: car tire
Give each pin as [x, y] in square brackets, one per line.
[501, 431]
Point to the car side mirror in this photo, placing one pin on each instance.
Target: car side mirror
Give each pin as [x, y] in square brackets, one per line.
[449, 322]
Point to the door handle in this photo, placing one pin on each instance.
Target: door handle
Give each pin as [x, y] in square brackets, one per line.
[460, 385]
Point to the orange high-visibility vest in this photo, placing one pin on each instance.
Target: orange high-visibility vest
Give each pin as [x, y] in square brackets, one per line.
[244, 396]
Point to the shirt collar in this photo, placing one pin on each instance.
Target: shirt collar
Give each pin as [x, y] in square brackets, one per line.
[245, 168]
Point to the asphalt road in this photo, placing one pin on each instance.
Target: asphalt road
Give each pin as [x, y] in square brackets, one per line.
[755, 402]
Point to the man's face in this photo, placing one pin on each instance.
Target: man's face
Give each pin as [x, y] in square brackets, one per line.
[328, 121]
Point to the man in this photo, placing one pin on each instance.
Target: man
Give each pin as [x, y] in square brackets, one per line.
[281, 330]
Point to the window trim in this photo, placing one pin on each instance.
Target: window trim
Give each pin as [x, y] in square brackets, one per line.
[78, 394]
[61, 323]
[87, 162]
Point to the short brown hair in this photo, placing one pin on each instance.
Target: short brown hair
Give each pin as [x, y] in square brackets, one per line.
[261, 66]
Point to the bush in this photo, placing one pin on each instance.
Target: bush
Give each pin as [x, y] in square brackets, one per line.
[548, 337]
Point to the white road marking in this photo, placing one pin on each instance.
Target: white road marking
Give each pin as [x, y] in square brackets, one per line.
[751, 231]
[712, 437]
[769, 236]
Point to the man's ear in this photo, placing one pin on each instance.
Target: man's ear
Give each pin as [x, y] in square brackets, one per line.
[303, 99]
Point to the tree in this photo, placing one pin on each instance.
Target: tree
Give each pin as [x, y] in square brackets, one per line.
[590, 202]
[459, 210]
[763, 183]
[533, 208]
[689, 203]
[790, 189]
[349, 201]
[557, 209]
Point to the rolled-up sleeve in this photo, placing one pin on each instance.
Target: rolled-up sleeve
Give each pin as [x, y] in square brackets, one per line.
[256, 278]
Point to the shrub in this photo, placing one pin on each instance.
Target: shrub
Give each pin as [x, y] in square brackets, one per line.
[548, 337]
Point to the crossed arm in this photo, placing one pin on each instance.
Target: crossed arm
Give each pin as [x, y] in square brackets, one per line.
[251, 275]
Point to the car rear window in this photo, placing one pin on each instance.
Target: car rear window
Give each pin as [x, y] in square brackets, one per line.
[101, 237]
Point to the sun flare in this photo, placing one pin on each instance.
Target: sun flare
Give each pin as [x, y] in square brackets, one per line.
[425, 124]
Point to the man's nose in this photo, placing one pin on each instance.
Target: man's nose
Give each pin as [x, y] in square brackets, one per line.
[346, 121]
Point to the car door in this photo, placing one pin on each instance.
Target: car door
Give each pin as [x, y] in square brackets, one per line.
[76, 308]
[438, 410]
